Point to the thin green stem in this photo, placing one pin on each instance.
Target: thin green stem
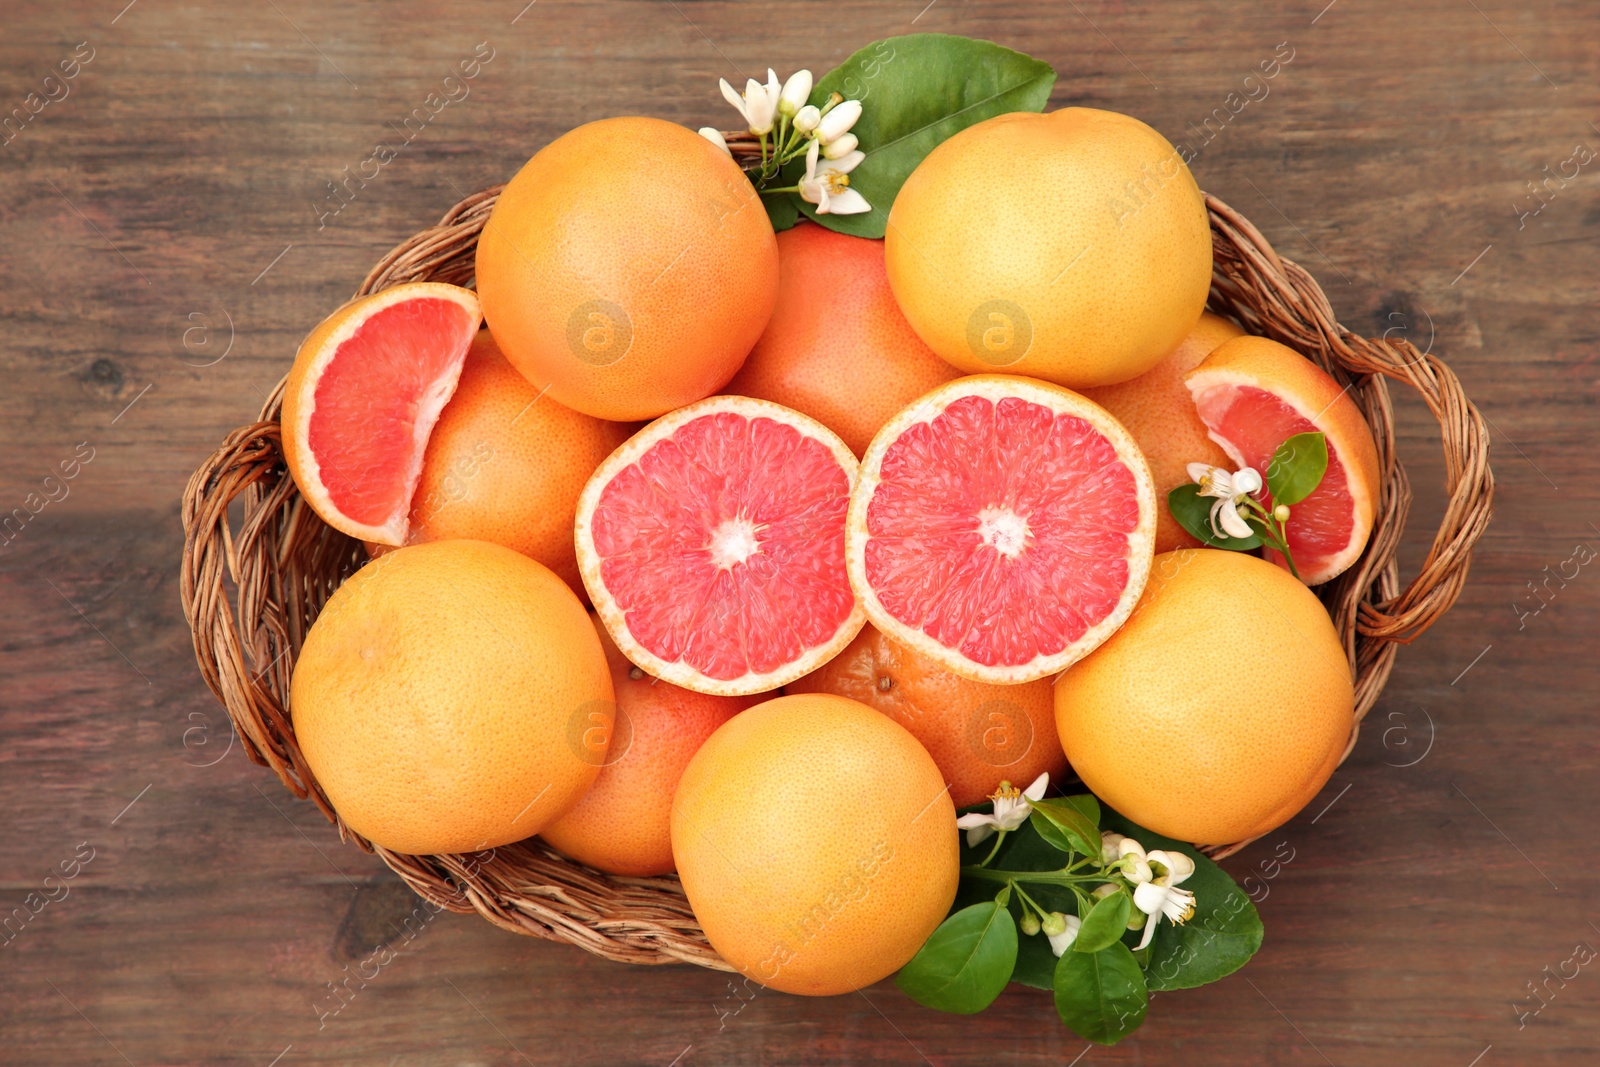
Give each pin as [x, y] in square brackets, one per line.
[998, 838]
[780, 189]
[1274, 533]
[1023, 894]
[1060, 877]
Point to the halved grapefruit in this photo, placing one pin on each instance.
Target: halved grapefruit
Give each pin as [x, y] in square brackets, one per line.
[1253, 394]
[1002, 526]
[366, 388]
[712, 545]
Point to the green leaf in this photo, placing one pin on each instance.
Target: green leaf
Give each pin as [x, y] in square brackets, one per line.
[1106, 922]
[915, 92]
[1087, 806]
[1022, 850]
[1052, 834]
[1064, 826]
[966, 963]
[1297, 468]
[1101, 995]
[781, 211]
[1221, 936]
[1193, 513]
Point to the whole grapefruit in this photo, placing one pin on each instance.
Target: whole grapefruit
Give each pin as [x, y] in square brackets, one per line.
[1072, 246]
[628, 267]
[837, 347]
[623, 824]
[816, 842]
[976, 732]
[506, 464]
[1219, 709]
[1157, 409]
[436, 692]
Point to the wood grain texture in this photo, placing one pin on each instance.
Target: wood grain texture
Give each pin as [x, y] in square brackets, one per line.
[175, 189]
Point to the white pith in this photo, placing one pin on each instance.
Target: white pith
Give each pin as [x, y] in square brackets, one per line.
[431, 404]
[733, 542]
[615, 621]
[996, 387]
[1003, 530]
[1205, 381]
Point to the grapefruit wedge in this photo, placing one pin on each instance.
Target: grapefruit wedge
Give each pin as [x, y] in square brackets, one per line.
[362, 398]
[712, 546]
[1253, 394]
[1002, 526]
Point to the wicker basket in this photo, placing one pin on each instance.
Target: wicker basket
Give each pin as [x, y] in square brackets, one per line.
[251, 595]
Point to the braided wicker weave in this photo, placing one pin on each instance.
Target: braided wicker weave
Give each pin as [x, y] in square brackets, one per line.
[251, 590]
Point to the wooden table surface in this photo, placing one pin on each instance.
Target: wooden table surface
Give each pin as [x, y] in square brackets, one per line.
[167, 237]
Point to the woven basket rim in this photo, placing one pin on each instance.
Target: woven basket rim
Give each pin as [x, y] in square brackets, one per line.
[251, 590]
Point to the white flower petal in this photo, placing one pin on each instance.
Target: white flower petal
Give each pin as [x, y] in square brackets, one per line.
[807, 118]
[1197, 471]
[1059, 943]
[1232, 523]
[732, 96]
[839, 120]
[1179, 866]
[975, 818]
[759, 106]
[714, 135]
[976, 835]
[795, 92]
[845, 164]
[841, 146]
[1149, 932]
[1247, 481]
[1109, 841]
[1035, 791]
[812, 191]
[1149, 897]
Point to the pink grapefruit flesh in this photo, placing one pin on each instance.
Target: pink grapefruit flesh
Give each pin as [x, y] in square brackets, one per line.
[1253, 394]
[1002, 526]
[363, 398]
[712, 545]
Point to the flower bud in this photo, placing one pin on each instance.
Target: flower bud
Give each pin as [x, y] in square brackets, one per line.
[1062, 940]
[840, 146]
[1106, 890]
[807, 118]
[837, 122]
[1109, 842]
[1054, 925]
[1029, 923]
[1281, 512]
[795, 92]
[714, 135]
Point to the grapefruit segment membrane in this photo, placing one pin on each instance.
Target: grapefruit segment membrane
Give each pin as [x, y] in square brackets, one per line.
[1253, 394]
[712, 546]
[1002, 526]
[365, 391]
